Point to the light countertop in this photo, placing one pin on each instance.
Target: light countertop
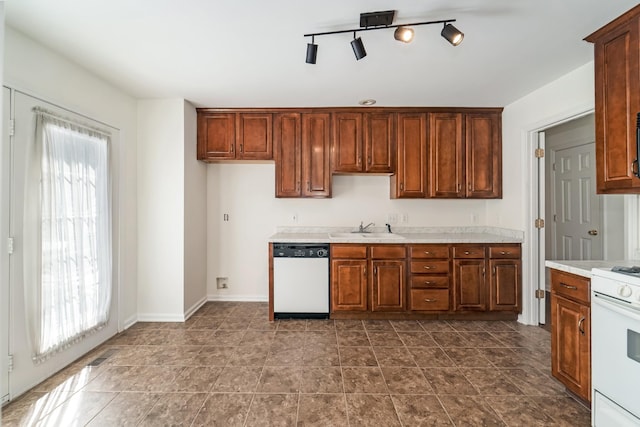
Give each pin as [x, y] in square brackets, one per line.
[407, 234]
[583, 268]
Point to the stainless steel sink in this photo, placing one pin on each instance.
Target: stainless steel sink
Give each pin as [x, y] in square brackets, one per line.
[366, 236]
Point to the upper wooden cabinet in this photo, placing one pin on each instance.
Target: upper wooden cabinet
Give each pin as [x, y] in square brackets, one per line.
[228, 136]
[465, 155]
[363, 142]
[617, 99]
[302, 155]
[410, 179]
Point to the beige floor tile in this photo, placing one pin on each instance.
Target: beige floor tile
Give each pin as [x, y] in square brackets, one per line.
[470, 411]
[519, 411]
[242, 379]
[321, 380]
[363, 380]
[406, 381]
[357, 356]
[449, 381]
[224, 409]
[273, 410]
[371, 410]
[126, 409]
[69, 412]
[174, 409]
[322, 410]
[420, 410]
[280, 379]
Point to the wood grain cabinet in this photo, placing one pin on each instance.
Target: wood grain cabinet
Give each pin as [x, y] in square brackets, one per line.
[571, 332]
[429, 278]
[505, 267]
[234, 136]
[410, 179]
[363, 142]
[469, 269]
[368, 278]
[302, 154]
[617, 99]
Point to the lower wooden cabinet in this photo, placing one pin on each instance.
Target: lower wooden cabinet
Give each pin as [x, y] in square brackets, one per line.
[425, 278]
[368, 278]
[571, 332]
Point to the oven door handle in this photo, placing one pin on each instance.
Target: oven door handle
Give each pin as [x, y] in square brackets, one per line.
[613, 304]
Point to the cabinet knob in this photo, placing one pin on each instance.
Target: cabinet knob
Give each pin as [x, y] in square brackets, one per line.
[426, 267]
[427, 252]
[427, 282]
[430, 300]
[504, 253]
[467, 252]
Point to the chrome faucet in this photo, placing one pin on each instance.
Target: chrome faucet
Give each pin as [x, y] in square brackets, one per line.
[364, 229]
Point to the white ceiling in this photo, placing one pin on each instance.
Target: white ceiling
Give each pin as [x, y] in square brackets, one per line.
[251, 53]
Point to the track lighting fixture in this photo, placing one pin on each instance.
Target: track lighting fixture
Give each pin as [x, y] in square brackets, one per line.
[312, 51]
[452, 34]
[379, 21]
[403, 34]
[358, 47]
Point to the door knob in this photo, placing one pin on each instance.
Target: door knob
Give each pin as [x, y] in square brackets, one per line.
[593, 232]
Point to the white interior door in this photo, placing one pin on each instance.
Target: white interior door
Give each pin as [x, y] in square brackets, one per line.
[5, 163]
[26, 373]
[577, 229]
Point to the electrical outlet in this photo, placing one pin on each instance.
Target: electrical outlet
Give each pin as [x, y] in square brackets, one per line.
[404, 218]
[225, 217]
[392, 218]
[222, 282]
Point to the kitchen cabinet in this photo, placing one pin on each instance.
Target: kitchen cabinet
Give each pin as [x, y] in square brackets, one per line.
[505, 266]
[234, 136]
[617, 102]
[446, 156]
[363, 142]
[465, 155]
[368, 278]
[571, 332]
[410, 179]
[302, 154]
[349, 278]
[469, 284]
[429, 278]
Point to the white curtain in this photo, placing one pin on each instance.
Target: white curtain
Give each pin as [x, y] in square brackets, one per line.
[68, 282]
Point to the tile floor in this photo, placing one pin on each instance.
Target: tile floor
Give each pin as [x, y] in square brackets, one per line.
[229, 366]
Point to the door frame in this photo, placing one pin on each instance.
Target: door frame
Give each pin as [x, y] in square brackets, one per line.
[535, 250]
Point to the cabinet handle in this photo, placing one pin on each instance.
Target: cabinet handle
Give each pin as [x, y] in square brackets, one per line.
[365, 271]
[430, 300]
[241, 148]
[402, 186]
[505, 253]
[369, 160]
[298, 186]
[308, 186]
[426, 267]
[467, 252]
[375, 271]
[232, 148]
[580, 323]
[459, 187]
[427, 282]
[469, 187]
[564, 285]
[494, 271]
[427, 252]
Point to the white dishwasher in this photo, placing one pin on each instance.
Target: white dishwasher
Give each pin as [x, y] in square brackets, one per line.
[301, 280]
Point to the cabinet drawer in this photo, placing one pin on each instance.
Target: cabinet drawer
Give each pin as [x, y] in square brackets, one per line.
[505, 252]
[431, 267]
[388, 252]
[429, 299]
[429, 281]
[348, 251]
[468, 251]
[572, 286]
[429, 251]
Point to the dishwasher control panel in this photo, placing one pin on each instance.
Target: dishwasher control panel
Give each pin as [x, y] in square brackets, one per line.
[300, 250]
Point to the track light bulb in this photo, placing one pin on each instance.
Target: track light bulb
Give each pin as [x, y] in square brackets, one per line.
[403, 34]
[452, 34]
[358, 47]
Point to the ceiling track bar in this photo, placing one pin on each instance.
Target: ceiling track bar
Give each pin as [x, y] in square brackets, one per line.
[414, 24]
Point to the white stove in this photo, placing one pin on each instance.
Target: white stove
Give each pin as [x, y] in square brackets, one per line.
[615, 348]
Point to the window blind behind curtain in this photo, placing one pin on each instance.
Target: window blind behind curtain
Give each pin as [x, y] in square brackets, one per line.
[68, 257]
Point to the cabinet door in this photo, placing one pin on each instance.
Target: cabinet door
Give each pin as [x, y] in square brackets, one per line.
[255, 136]
[617, 99]
[380, 143]
[316, 175]
[483, 142]
[216, 136]
[288, 155]
[446, 155]
[347, 142]
[348, 285]
[571, 344]
[504, 287]
[469, 284]
[410, 180]
[388, 285]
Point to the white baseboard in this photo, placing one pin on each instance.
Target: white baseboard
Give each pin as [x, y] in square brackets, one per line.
[132, 320]
[195, 307]
[247, 298]
[160, 317]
